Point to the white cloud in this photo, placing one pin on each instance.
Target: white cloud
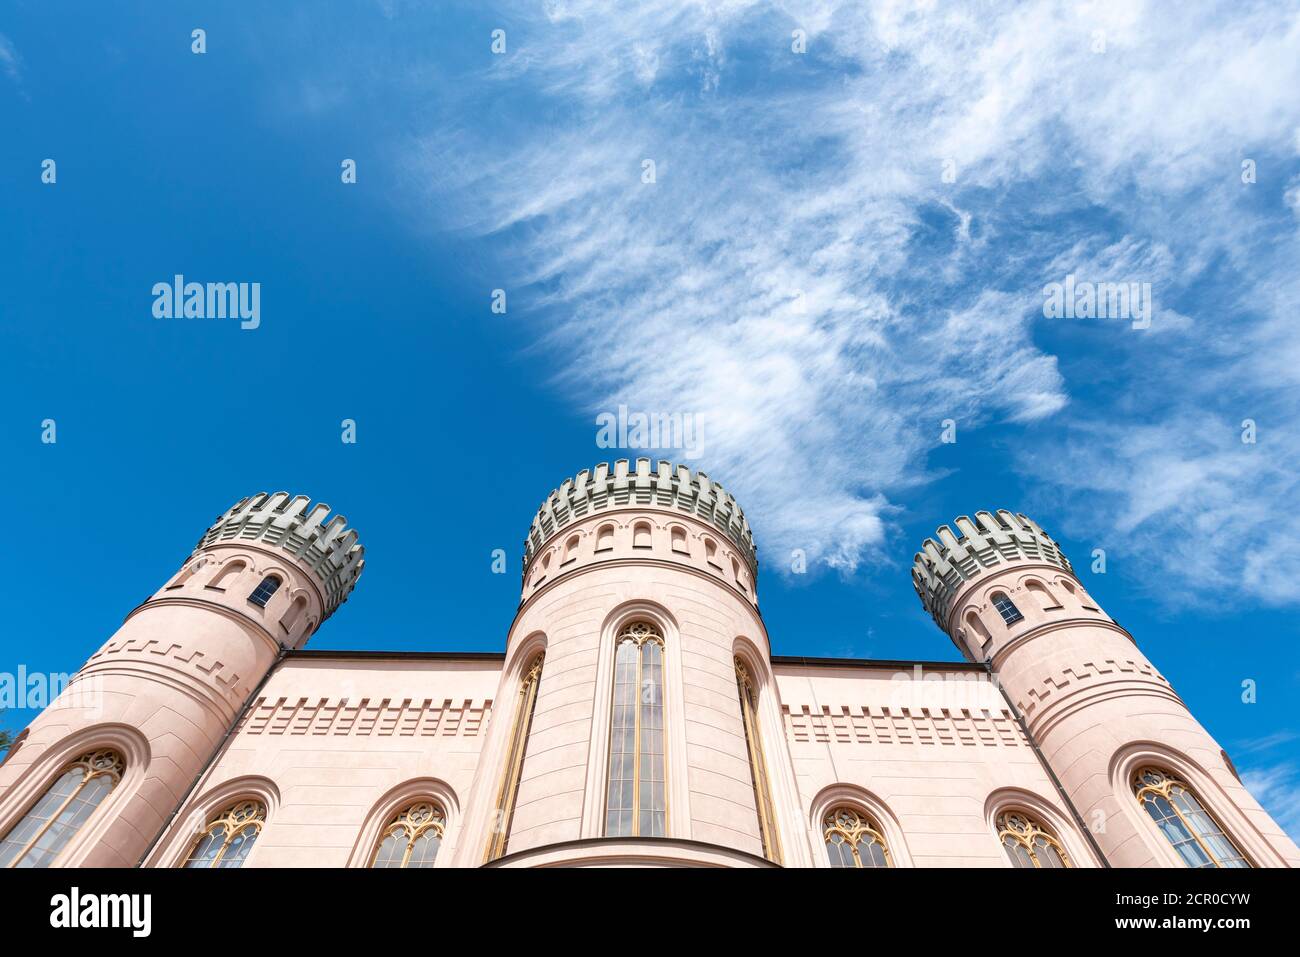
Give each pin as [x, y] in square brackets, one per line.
[1277, 789]
[10, 61]
[773, 279]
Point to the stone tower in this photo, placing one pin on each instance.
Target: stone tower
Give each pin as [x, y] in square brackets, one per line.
[1000, 587]
[165, 689]
[635, 555]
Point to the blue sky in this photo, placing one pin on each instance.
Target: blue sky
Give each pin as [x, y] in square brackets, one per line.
[801, 276]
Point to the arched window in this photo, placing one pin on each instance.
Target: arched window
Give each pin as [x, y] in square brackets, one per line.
[757, 764]
[604, 538]
[46, 829]
[509, 790]
[1006, 608]
[1043, 595]
[711, 552]
[263, 592]
[679, 540]
[228, 839]
[187, 573]
[738, 574]
[641, 535]
[854, 840]
[1199, 841]
[1028, 843]
[226, 574]
[542, 568]
[636, 803]
[412, 838]
[976, 630]
[570, 549]
[289, 620]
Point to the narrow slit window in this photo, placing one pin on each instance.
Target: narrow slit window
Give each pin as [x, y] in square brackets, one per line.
[526, 701]
[758, 764]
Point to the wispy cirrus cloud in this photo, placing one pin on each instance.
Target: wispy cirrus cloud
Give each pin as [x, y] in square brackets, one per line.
[10, 61]
[1277, 788]
[802, 275]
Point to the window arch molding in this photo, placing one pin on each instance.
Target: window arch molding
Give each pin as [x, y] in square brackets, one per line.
[36, 779]
[227, 570]
[1032, 805]
[190, 825]
[1221, 806]
[1043, 594]
[677, 790]
[862, 800]
[393, 801]
[478, 828]
[295, 618]
[772, 742]
[190, 570]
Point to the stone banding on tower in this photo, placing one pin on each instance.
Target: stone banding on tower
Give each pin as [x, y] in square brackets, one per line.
[940, 569]
[664, 486]
[329, 550]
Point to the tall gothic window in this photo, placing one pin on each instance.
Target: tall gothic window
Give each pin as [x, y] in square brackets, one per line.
[1199, 841]
[263, 592]
[412, 837]
[228, 839]
[46, 829]
[527, 701]
[1028, 844]
[637, 803]
[854, 840]
[757, 764]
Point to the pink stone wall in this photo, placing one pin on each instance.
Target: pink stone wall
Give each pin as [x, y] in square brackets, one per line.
[932, 759]
[331, 742]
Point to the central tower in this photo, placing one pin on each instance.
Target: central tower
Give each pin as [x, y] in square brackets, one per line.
[620, 716]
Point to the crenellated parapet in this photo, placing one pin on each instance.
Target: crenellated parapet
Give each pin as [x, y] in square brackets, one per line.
[328, 549]
[940, 569]
[659, 486]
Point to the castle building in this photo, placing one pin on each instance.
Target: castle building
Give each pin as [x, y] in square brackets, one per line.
[636, 716]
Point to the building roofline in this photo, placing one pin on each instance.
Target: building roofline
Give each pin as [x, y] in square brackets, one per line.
[347, 654]
[802, 661]
[777, 660]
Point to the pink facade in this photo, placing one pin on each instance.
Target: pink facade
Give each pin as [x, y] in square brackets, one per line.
[203, 732]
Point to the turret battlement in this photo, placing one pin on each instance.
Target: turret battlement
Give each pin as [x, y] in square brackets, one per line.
[329, 549]
[663, 486]
[940, 568]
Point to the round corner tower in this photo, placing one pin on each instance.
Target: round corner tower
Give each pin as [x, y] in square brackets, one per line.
[164, 690]
[1002, 590]
[635, 576]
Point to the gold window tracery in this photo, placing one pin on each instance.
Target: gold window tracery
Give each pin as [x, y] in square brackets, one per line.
[1184, 822]
[412, 838]
[46, 829]
[854, 840]
[1028, 843]
[227, 840]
